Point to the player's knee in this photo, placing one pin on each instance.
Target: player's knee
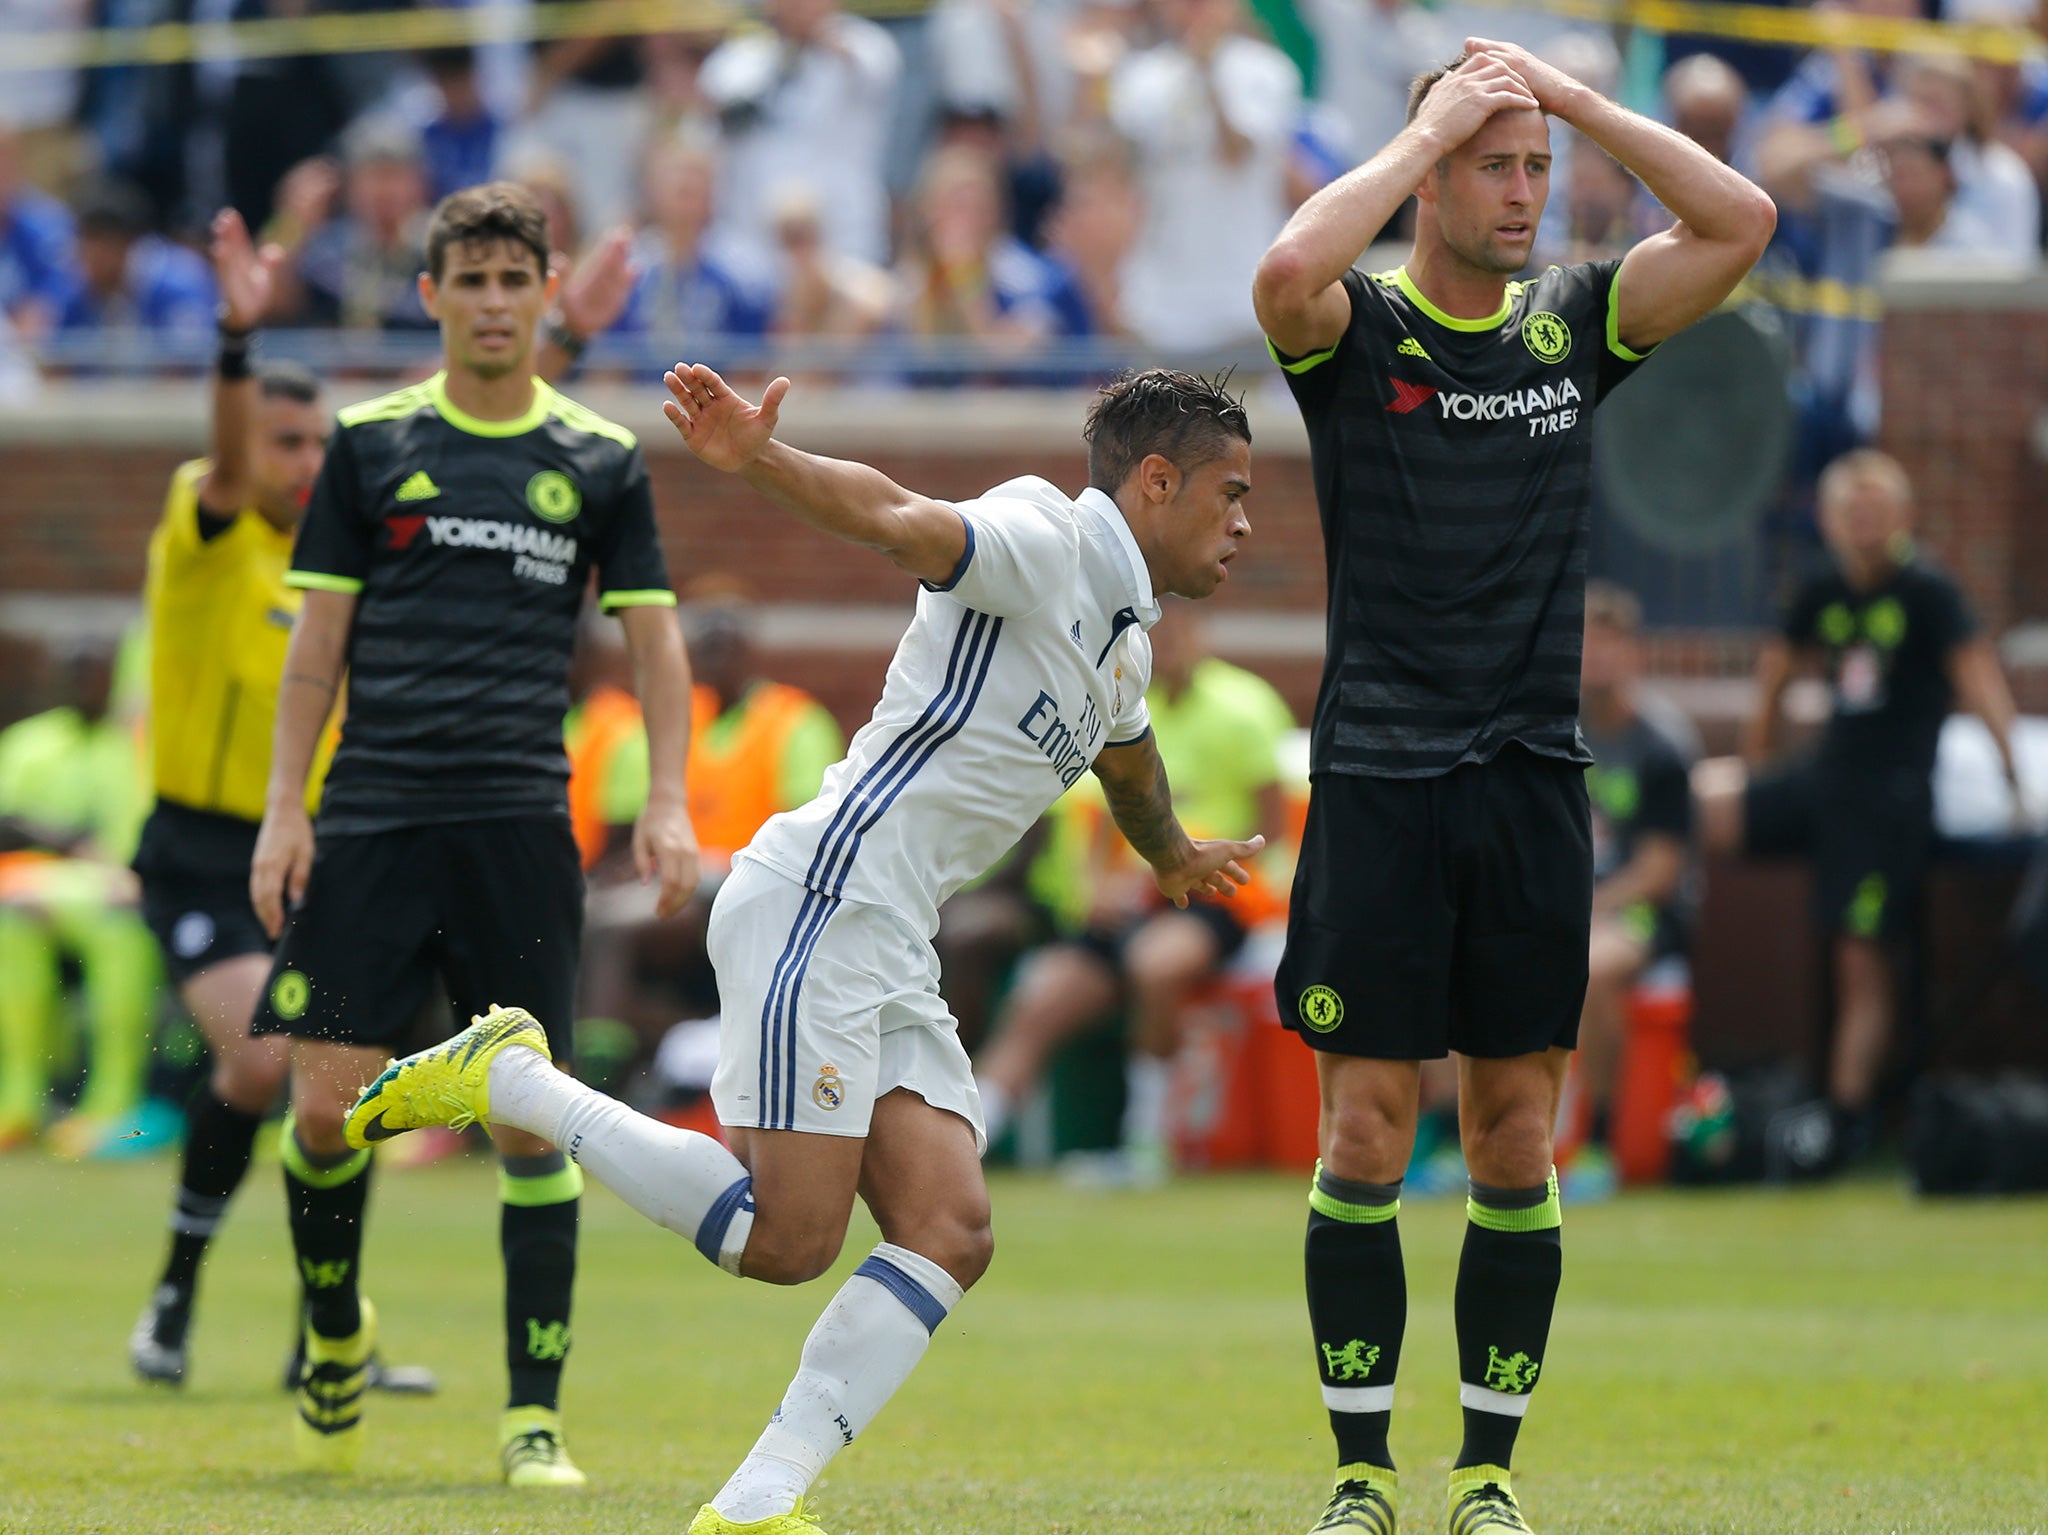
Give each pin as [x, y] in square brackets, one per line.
[1363, 1141]
[317, 1122]
[790, 1257]
[973, 1249]
[248, 1083]
[1509, 1145]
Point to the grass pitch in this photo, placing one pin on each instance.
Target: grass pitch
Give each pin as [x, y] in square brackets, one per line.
[1839, 1360]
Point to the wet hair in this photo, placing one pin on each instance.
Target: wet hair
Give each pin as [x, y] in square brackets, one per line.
[1613, 606]
[1184, 418]
[284, 380]
[485, 215]
[1420, 87]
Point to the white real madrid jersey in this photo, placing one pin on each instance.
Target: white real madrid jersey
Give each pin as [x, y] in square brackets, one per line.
[1008, 682]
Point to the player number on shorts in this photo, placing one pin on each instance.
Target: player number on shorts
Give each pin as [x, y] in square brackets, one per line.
[1321, 1009]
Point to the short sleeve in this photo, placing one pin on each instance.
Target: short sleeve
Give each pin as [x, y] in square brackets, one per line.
[1618, 361]
[631, 571]
[1018, 554]
[334, 545]
[1311, 378]
[1133, 722]
[1801, 624]
[1665, 804]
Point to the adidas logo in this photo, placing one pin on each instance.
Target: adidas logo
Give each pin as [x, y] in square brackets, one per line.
[1410, 347]
[419, 487]
[1076, 632]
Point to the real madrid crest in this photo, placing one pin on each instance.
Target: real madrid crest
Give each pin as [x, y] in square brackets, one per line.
[828, 1092]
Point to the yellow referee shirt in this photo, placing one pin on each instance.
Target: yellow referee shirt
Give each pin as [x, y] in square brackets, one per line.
[220, 617]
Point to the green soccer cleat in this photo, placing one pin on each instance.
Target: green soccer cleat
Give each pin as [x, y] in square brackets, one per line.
[797, 1521]
[447, 1085]
[1362, 1504]
[329, 1427]
[1481, 1503]
[531, 1450]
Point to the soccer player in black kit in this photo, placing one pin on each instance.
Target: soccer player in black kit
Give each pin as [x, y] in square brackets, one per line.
[1444, 891]
[444, 556]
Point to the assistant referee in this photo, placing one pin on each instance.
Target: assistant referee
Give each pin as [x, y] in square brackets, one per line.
[1444, 891]
[444, 557]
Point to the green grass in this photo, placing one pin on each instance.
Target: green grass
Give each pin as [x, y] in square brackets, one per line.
[1846, 1360]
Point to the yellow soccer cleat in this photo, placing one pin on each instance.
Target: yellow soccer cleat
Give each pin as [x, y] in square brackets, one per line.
[797, 1521]
[1481, 1503]
[1362, 1502]
[532, 1452]
[329, 1426]
[447, 1085]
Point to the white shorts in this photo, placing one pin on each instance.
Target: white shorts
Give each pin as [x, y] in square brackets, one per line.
[825, 1005]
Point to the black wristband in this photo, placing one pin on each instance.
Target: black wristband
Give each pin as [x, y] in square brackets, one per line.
[566, 340]
[231, 362]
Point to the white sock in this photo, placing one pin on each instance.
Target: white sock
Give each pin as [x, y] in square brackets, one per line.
[995, 1108]
[1146, 1079]
[676, 1178]
[862, 1349]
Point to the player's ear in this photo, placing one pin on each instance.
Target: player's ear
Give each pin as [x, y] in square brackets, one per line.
[430, 296]
[1159, 478]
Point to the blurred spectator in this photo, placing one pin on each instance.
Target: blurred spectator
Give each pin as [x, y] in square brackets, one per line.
[132, 279]
[1831, 82]
[684, 290]
[38, 253]
[551, 178]
[1601, 203]
[606, 790]
[460, 138]
[1367, 53]
[39, 106]
[966, 275]
[804, 110]
[1219, 730]
[360, 270]
[1899, 646]
[72, 797]
[1706, 100]
[674, 62]
[824, 293]
[1091, 233]
[1642, 826]
[258, 117]
[1995, 190]
[1210, 115]
[586, 108]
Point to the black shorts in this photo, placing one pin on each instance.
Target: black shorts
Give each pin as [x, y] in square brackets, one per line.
[1440, 914]
[194, 867]
[1869, 837]
[1109, 944]
[494, 908]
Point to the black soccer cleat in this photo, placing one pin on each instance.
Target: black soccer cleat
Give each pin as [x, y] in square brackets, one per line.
[156, 1348]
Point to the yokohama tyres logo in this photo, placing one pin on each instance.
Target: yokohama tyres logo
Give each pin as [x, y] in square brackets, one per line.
[404, 529]
[1407, 396]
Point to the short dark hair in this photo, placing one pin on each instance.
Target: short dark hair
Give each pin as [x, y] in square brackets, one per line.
[484, 215]
[286, 380]
[1420, 87]
[1613, 606]
[1183, 417]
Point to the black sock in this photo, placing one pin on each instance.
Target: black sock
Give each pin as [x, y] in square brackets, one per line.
[218, 1138]
[1358, 1308]
[1507, 1289]
[324, 1196]
[537, 1233]
[1600, 1125]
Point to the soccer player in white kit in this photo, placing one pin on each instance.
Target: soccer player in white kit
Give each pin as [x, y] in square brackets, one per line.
[840, 1070]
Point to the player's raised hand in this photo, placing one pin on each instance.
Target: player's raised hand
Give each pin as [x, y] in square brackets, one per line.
[1466, 98]
[595, 289]
[1210, 868]
[1546, 82]
[722, 429]
[246, 275]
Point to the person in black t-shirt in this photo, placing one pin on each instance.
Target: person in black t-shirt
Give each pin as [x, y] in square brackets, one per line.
[444, 557]
[1641, 801]
[1442, 900]
[1898, 644]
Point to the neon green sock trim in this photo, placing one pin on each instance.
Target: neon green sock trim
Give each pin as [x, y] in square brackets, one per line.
[555, 1188]
[1342, 1210]
[28, 994]
[1382, 1478]
[293, 1155]
[1465, 1478]
[1547, 1216]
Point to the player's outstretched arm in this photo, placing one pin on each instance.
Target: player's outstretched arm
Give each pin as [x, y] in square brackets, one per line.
[1141, 802]
[246, 277]
[664, 842]
[313, 662]
[1298, 290]
[1724, 219]
[849, 500]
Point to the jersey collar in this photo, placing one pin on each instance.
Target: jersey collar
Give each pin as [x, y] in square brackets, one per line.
[1136, 576]
[1448, 321]
[463, 421]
